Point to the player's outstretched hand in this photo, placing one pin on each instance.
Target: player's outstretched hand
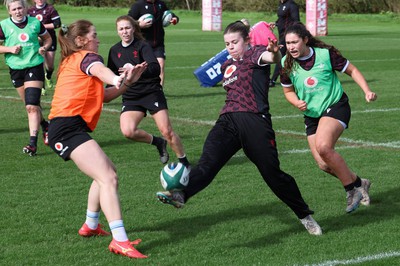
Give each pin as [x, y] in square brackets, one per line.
[133, 74]
[273, 46]
[272, 25]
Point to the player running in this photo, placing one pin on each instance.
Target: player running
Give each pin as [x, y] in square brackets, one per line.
[310, 84]
[51, 20]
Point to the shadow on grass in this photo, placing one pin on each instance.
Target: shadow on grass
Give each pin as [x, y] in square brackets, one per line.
[186, 228]
[360, 218]
[13, 130]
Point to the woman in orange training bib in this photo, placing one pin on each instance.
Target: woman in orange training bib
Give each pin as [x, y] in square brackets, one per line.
[75, 110]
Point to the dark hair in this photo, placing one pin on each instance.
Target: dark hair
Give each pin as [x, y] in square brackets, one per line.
[68, 34]
[135, 24]
[300, 30]
[238, 26]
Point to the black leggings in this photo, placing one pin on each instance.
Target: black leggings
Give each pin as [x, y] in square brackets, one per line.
[254, 134]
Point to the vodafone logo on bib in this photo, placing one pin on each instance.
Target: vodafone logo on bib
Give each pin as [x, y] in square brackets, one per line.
[229, 71]
[311, 82]
[23, 37]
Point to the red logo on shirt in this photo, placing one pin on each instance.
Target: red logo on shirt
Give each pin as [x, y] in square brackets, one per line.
[23, 37]
[39, 17]
[229, 71]
[119, 55]
[311, 82]
[135, 53]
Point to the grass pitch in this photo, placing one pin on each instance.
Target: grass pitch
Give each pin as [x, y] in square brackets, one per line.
[237, 220]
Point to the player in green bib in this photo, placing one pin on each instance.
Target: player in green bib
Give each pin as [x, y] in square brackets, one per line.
[310, 83]
[19, 42]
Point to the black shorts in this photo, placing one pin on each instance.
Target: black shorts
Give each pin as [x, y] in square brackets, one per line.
[66, 134]
[159, 51]
[340, 111]
[53, 46]
[152, 103]
[19, 76]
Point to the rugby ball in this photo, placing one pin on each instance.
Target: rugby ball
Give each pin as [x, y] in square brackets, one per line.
[174, 176]
[166, 18]
[146, 18]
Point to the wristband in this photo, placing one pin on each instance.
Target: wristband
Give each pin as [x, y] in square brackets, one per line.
[115, 80]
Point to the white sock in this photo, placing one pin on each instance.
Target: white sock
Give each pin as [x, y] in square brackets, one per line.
[92, 219]
[118, 230]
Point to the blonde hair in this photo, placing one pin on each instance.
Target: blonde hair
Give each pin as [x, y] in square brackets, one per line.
[9, 2]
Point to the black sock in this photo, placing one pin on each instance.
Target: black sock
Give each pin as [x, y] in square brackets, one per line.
[33, 141]
[157, 141]
[349, 187]
[184, 161]
[357, 183]
[44, 124]
[49, 73]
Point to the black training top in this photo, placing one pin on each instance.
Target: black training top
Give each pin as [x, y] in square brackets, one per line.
[154, 34]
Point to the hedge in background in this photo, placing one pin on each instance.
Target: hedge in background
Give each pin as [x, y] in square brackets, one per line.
[335, 6]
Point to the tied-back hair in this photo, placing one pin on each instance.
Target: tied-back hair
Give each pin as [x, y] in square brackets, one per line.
[240, 27]
[135, 24]
[67, 36]
[300, 30]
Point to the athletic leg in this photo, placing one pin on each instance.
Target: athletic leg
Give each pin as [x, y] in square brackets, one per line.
[103, 193]
[161, 61]
[328, 132]
[92, 161]
[163, 123]
[220, 145]
[129, 122]
[31, 96]
[259, 145]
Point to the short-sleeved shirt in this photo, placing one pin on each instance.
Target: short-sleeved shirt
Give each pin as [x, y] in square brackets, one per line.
[26, 35]
[78, 93]
[338, 62]
[315, 81]
[46, 14]
[246, 83]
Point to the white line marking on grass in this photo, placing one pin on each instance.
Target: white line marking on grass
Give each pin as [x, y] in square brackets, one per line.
[352, 112]
[358, 143]
[359, 60]
[357, 260]
[375, 60]
[393, 144]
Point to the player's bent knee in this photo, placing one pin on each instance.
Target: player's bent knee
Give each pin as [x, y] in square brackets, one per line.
[32, 108]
